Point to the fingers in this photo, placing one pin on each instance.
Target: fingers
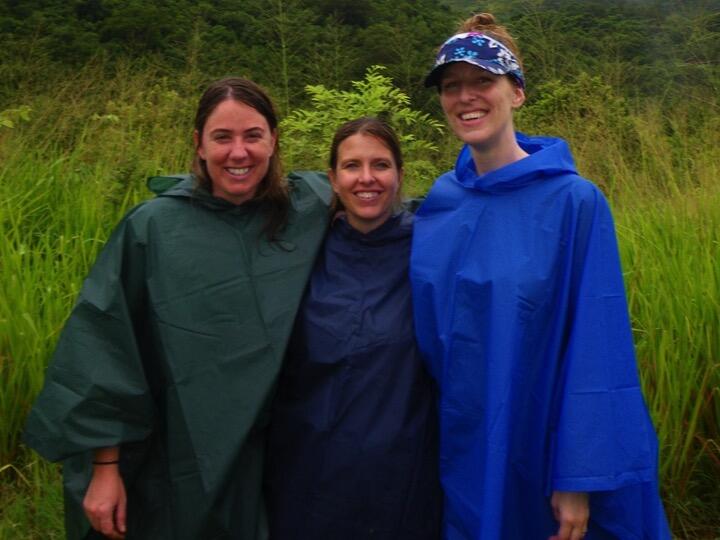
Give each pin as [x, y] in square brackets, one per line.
[108, 528]
[105, 503]
[568, 532]
[571, 510]
[103, 518]
[121, 515]
[571, 531]
[107, 522]
[564, 531]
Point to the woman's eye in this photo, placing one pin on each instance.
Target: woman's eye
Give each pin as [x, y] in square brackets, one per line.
[450, 86]
[382, 165]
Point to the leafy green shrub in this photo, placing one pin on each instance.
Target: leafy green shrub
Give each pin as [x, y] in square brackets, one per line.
[306, 133]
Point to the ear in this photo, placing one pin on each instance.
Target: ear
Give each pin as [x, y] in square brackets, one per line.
[397, 198]
[273, 137]
[518, 97]
[333, 180]
[198, 148]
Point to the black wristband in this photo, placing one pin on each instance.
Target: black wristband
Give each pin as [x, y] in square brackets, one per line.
[114, 462]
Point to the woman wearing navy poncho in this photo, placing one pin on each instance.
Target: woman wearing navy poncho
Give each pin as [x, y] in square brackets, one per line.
[520, 310]
[353, 443]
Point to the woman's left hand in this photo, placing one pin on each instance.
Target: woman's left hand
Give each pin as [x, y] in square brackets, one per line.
[572, 511]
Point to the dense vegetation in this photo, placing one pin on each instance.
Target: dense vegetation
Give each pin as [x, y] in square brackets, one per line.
[95, 95]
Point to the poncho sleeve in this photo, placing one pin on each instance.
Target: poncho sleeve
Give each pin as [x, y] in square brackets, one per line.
[96, 392]
[603, 437]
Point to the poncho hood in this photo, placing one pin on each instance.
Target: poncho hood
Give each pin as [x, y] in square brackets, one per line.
[393, 230]
[548, 157]
[185, 186]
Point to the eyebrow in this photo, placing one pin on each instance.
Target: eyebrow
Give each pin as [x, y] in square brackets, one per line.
[372, 161]
[253, 129]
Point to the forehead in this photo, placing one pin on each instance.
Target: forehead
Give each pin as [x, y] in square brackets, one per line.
[363, 145]
[232, 114]
[462, 70]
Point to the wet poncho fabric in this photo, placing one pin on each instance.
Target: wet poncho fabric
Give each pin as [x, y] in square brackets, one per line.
[520, 311]
[172, 353]
[353, 444]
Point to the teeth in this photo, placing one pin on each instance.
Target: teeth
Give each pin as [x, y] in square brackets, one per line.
[367, 194]
[238, 172]
[473, 115]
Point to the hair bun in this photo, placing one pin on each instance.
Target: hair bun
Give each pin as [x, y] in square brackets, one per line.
[485, 23]
[479, 22]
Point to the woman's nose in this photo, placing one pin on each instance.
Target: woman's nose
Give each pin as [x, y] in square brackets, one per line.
[467, 92]
[366, 174]
[238, 150]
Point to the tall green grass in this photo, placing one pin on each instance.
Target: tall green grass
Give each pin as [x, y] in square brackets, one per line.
[660, 164]
[671, 249]
[66, 177]
[31, 501]
[68, 174]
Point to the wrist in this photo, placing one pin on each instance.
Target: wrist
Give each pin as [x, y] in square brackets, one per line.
[106, 469]
[106, 457]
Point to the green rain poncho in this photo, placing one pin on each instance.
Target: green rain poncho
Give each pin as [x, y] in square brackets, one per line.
[172, 352]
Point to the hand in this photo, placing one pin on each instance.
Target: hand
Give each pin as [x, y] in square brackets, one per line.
[105, 502]
[572, 511]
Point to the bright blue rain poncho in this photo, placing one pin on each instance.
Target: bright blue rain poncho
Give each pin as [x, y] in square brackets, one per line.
[520, 311]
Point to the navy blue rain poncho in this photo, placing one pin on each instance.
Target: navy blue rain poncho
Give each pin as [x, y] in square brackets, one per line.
[520, 310]
[353, 440]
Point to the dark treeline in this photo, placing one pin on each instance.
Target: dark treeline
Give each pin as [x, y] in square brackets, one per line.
[639, 47]
[283, 44]
[661, 48]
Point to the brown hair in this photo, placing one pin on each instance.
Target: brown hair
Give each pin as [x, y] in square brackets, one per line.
[273, 190]
[486, 24]
[366, 125]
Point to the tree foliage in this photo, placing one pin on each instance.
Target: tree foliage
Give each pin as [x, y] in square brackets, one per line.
[640, 47]
[374, 95]
[283, 44]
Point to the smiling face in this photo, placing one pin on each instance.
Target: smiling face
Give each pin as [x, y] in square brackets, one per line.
[236, 145]
[478, 105]
[366, 179]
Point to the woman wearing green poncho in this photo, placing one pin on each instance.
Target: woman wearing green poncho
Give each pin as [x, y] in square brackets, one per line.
[157, 394]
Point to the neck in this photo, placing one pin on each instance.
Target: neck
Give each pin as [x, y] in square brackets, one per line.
[366, 226]
[494, 156]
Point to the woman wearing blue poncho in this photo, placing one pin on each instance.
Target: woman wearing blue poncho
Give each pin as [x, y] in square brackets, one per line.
[353, 444]
[520, 311]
